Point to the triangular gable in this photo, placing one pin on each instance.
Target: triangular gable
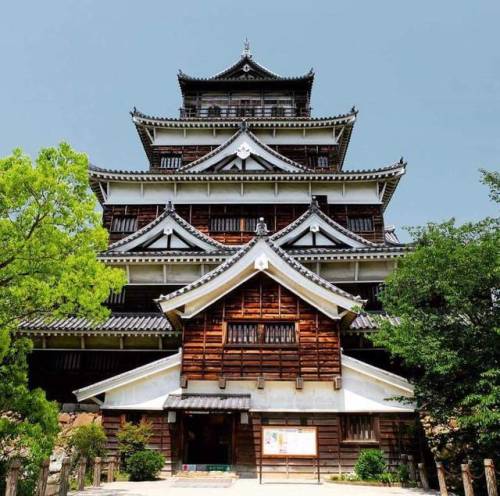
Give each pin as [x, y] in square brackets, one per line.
[314, 229]
[246, 68]
[243, 152]
[259, 256]
[168, 232]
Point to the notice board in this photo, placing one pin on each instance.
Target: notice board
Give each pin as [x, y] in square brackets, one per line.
[289, 441]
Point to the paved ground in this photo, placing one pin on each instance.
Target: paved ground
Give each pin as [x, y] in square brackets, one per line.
[245, 487]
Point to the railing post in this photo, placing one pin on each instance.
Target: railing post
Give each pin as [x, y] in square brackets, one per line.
[41, 487]
[411, 468]
[467, 480]
[97, 472]
[491, 479]
[12, 477]
[64, 477]
[82, 468]
[111, 469]
[423, 476]
[441, 479]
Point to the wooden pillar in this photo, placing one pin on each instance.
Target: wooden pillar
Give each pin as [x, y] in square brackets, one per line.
[12, 478]
[491, 480]
[423, 476]
[82, 466]
[467, 479]
[411, 468]
[64, 477]
[97, 472]
[111, 469]
[441, 479]
[42, 478]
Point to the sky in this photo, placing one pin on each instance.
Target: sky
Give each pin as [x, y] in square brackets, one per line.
[424, 75]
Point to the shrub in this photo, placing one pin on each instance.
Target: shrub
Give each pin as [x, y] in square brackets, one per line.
[133, 438]
[370, 464]
[403, 473]
[89, 441]
[144, 465]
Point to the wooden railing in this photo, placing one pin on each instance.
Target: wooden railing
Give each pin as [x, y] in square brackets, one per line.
[241, 111]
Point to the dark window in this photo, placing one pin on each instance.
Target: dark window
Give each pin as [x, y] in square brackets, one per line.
[214, 111]
[134, 418]
[261, 333]
[358, 428]
[116, 298]
[124, 224]
[233, 224]
[277, 111]
[171, 161]
[360, 224]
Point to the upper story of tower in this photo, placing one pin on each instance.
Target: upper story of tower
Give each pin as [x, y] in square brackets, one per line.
[275, 108]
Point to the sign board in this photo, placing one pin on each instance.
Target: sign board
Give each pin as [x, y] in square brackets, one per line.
[289, 441]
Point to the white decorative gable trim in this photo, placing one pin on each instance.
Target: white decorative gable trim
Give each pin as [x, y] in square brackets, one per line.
[243, 152]
[168, 232]
[364, 389]
[316, 230]
[259, 256]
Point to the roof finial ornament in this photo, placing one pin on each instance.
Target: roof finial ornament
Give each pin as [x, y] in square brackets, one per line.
[314, 203]
[401, 160]
[243, 125]
[246, 49]
[261, 228]
[354, 110]
[170, 207]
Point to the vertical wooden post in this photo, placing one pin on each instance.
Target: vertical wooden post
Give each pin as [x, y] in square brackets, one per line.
[491, 480]
[411, 468]
[64, 477]
[42, 478]
[12, 478]
[111, 469]
[423, 476]
[97, 472]
[442, 479]
[467, 480]
[82, 466]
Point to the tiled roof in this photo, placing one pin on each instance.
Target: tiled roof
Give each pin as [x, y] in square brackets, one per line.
[314, 209]
[367, 321]
[117, 323]
[236, 402]
[390, 235]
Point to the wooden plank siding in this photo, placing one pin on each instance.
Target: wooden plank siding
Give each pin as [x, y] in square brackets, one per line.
[276, 216]
[315, 356]
[397, 435]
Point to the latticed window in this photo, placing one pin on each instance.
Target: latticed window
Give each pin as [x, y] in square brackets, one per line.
[124, 224]
[214, 111]
[360, 428]
[277, 111]
[233, 224]
[360, 224]
[261, 333]
[323, 161]
[170, 161]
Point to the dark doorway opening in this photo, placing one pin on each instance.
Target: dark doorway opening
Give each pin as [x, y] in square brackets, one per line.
[208, 438]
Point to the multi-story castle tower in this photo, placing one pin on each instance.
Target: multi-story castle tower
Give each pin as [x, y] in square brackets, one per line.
[247, 245]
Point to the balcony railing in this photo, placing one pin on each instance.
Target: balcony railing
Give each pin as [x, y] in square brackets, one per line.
[239, 111]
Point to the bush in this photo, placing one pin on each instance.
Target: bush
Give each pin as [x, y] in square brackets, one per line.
[370, 464]
[133, 438]
[89, 441]
[144, 465]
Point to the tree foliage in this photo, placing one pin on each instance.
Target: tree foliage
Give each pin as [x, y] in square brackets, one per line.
[50, 234]
[446, 293]
[133, 438]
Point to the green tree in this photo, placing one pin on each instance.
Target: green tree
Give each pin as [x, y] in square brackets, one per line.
[50, 234]
[446, 293]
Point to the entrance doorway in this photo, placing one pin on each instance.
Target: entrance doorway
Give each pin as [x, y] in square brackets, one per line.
[208, 439]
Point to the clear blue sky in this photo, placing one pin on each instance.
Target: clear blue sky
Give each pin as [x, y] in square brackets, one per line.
[425, 76]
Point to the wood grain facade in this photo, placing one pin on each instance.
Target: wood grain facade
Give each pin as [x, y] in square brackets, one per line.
[314, 356]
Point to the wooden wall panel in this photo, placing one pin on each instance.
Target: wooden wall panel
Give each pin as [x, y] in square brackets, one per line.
[316, 355]
[276, 216]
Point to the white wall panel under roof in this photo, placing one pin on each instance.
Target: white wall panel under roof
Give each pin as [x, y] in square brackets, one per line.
[361, 192]
[146, 274]
[375, 271]
[221, 192]
[338, 271]
[157, 193]
[293, 193]
[182, 273]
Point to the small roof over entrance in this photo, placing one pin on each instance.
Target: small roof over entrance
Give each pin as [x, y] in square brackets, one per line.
[208, 402]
